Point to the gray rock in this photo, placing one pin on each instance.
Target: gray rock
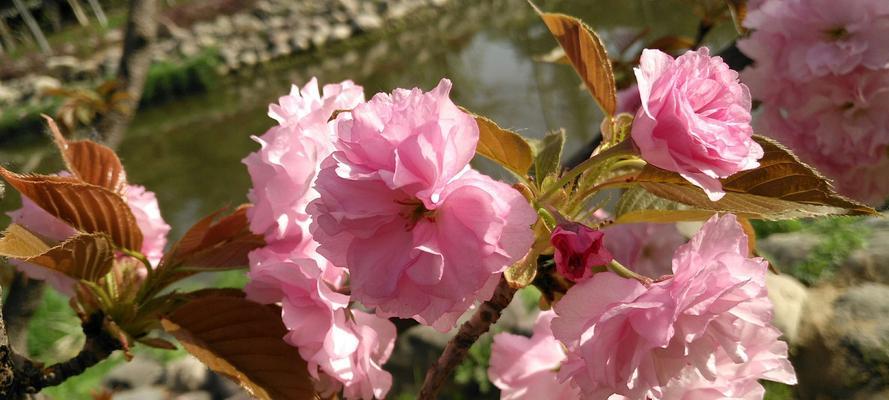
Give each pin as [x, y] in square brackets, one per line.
[870, 263]
[196, 395]
[785, 250]
[142, 393]
[788, 296]
[138, 373]
[843, 345]
[186, 374]
[368, 22]
[340, 32]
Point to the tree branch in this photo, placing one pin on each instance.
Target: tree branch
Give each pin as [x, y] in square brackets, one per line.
[486, 315]
[30, 377]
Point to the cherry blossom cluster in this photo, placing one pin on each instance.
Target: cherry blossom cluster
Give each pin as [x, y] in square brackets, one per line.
[343, 346]
[143, 205]
[705, 333]
[821, 71]
[371, 210]
[376, 205]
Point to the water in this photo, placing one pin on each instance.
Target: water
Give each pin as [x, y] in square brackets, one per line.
[189, 151]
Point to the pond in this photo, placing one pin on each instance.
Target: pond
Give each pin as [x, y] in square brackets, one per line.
[189, 150]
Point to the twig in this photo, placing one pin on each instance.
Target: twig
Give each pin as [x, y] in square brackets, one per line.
[486, 315]
[30, 377]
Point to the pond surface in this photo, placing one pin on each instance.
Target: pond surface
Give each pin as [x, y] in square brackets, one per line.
[189, 151]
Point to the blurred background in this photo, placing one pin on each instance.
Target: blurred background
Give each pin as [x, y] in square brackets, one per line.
[203, 87]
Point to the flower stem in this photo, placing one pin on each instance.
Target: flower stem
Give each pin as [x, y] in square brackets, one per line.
[620, 149]
[625, 272]
[486, 315]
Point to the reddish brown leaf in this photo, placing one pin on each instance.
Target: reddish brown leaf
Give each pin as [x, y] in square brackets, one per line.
[587, 55]
[87, 207]
[85, 256]
[91, 162]
[243, 341]
[782, 187]
[220, 244]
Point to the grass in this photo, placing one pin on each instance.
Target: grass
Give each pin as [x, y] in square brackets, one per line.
[171, 79]
[840, 236]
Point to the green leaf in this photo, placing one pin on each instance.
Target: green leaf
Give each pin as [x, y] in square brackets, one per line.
[549, 154]
[522, 273]
[503, 146]
[782, 187]
[587, 55]
[638, 205]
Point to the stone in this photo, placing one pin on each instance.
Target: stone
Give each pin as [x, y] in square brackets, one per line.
[340, 32]
[843, 345]
[143, 393]
[8, 95]
[788, 297]
[871, 262]
[785, 250]
[368, 22]
[248, 58]
[196, 395]
[137, 373]
[186, 374]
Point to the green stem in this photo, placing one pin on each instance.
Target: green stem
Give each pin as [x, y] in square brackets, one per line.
[625, 272]
[621, 149]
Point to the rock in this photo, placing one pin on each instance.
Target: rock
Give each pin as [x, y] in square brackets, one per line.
[142, 393]
[340, 32]
[41, 83]
[63, 66]
[788, 296]
[843, 344]
[368, 22]
[140, 372]
[8, 95]
[248, 58]
[871, 262]
[186, 374]
[196, 395]
[785, 250]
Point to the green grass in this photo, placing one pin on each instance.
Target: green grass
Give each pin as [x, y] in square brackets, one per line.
[840, 237]
[170, 79]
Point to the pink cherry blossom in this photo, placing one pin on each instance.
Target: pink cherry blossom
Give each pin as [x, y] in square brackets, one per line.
[838, 124]
[805, 39]
[421, 233]
[578, 248]
[767, 359]
[525, 368]
[695, 118]
[631, 340]
[143, 204]
[309, 105]
[284, 168]
[344, 348]
[821, 71]
[645, 248]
